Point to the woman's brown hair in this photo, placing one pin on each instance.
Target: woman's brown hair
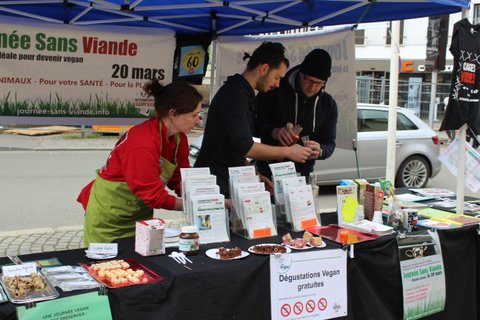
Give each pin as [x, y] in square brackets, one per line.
[179, 96]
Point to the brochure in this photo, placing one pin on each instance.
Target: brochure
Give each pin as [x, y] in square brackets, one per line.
[188, 172]
[210, 218]
[234, 182]
[347, 203]
[281, 170]
[190, 181]
[258, 215]
[235, 173]
[242, 190]
[302, 207]
[286, 184]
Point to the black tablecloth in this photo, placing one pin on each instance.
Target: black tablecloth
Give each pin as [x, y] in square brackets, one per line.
[213, 289]
[240, 289]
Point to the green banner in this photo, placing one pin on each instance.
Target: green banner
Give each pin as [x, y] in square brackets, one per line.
[88, 306]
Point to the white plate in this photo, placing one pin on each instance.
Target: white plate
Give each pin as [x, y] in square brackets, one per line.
[320, 246]
[307, 246]
[212, 253]
[171, 233]
[99, 256]
[268, 244]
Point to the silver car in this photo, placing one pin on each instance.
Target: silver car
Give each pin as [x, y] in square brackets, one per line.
[416, 155]
[417, 150]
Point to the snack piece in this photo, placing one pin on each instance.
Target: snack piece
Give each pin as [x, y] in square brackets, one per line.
[316, 241]
[287, 239]
[307, 235]
[269, 248]
[225, 253]
[299, 243]
[19, 285]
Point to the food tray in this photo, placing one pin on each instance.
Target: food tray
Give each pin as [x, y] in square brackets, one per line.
[31, 295]
[332, 232]
[148, 276]
[3, 296]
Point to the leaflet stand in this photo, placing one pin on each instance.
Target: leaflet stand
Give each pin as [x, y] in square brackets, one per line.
[281, 218]
[238, 228]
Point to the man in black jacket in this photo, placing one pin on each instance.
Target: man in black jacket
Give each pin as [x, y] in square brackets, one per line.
[228, 137]
[300, 100]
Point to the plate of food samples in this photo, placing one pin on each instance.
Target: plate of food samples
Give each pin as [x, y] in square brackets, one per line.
[269, 248]
[308, 241]
[223, 253]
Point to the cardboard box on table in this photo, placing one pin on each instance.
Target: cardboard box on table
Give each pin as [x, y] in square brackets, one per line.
[373, 200]
[150, 237]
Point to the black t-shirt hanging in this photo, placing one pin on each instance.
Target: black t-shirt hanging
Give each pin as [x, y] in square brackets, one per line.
[464, 100]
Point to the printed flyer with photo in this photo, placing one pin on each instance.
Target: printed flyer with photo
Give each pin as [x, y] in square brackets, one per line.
[279, 171]
[210, 217]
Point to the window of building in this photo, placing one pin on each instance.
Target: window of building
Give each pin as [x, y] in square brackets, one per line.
[389, 35]
[360, 37]
[476, 13]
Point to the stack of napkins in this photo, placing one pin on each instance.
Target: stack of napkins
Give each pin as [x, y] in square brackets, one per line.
[369, 226]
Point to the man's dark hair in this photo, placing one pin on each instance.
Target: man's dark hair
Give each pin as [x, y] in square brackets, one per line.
[271, 53]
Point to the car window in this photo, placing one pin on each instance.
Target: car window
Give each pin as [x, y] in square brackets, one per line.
[377, 120]
[403, 123]
[372, 120]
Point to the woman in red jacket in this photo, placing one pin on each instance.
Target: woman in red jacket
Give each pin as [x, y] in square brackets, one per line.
[144, 161]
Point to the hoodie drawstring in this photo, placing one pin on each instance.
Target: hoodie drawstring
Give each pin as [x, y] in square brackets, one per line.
[314, 110]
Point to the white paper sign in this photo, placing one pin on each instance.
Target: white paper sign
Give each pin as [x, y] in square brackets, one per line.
[103, 248]
[309, 285]
[24, 269]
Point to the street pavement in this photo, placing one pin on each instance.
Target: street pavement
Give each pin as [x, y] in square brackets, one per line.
[20, 242]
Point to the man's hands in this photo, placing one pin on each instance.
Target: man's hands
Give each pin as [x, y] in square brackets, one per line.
[315, 149]
[297, 153]
[285, 136]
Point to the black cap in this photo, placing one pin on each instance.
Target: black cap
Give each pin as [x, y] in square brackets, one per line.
[318, 64]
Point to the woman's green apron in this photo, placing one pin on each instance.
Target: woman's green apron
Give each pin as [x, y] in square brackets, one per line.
[113, 209]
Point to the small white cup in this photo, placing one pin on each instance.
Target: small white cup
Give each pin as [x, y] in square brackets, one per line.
[377, 217]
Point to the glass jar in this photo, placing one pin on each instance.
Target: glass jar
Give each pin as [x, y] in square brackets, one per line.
[188, 242]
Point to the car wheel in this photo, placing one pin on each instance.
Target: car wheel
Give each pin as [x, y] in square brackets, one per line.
[413, 173]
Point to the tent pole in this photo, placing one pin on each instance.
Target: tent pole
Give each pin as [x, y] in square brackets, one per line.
[393, 102]
[213, 83]
[462, 135]
[433, 93]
